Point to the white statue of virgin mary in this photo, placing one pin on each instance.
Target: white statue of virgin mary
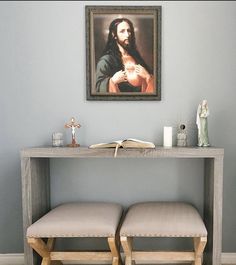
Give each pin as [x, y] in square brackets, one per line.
[201, 121]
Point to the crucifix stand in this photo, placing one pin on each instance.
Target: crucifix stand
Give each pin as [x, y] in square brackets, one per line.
[73, 125]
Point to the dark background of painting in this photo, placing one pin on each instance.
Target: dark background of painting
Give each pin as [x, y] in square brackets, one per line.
[143, 33]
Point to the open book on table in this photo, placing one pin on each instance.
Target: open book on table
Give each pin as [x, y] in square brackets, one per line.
[127, 143]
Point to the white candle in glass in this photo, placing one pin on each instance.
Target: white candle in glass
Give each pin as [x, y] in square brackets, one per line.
[57, 139]
[167, 136]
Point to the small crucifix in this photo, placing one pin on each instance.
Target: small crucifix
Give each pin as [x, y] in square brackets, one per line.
[72, 124]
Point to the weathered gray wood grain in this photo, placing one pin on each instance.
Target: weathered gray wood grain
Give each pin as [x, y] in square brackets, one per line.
[213, 196]
[159, 152]
[35, 196]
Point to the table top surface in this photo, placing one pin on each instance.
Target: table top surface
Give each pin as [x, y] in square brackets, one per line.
[86, 152]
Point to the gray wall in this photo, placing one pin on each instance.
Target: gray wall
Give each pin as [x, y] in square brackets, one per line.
[42, 84]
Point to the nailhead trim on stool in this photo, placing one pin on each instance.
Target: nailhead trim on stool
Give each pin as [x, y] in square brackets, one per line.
[85, 219]
[163, 219]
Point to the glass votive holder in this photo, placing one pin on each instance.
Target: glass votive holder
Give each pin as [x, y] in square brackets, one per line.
[57, 139]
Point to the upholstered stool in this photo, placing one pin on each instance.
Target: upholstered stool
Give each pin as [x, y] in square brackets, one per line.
[163, 219]
[77, 220]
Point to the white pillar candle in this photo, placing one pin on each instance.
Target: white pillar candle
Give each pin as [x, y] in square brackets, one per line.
[167, 135]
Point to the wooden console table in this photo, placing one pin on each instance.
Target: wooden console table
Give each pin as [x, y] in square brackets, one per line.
[35, 170]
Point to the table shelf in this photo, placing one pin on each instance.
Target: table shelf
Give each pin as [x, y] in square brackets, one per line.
[35, 171]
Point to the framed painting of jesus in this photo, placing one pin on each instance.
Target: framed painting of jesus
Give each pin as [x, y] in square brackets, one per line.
[123, 52]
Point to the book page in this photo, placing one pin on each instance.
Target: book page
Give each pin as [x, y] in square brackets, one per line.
[127, 143]
[136, 140]
[106, 145]
[135, 143]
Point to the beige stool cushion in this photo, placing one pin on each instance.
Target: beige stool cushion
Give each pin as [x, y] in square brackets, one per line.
[163, 219]
[86, 219]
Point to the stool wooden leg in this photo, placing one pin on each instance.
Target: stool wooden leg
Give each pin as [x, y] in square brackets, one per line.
[56, 262]
[50, 245]
[199, 245]
[46, 261]
[126, 243]
[42, 249]
[114, 251]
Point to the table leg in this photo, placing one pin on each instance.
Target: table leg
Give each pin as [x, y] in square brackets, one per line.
[213, 190]
[35, 175]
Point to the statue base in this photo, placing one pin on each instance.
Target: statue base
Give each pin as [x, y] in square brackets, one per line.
[203, 145]
[73, 145]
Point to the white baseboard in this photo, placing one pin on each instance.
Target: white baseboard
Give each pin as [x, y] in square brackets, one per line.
[18, 259]
[12, 259]
[228, 258]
